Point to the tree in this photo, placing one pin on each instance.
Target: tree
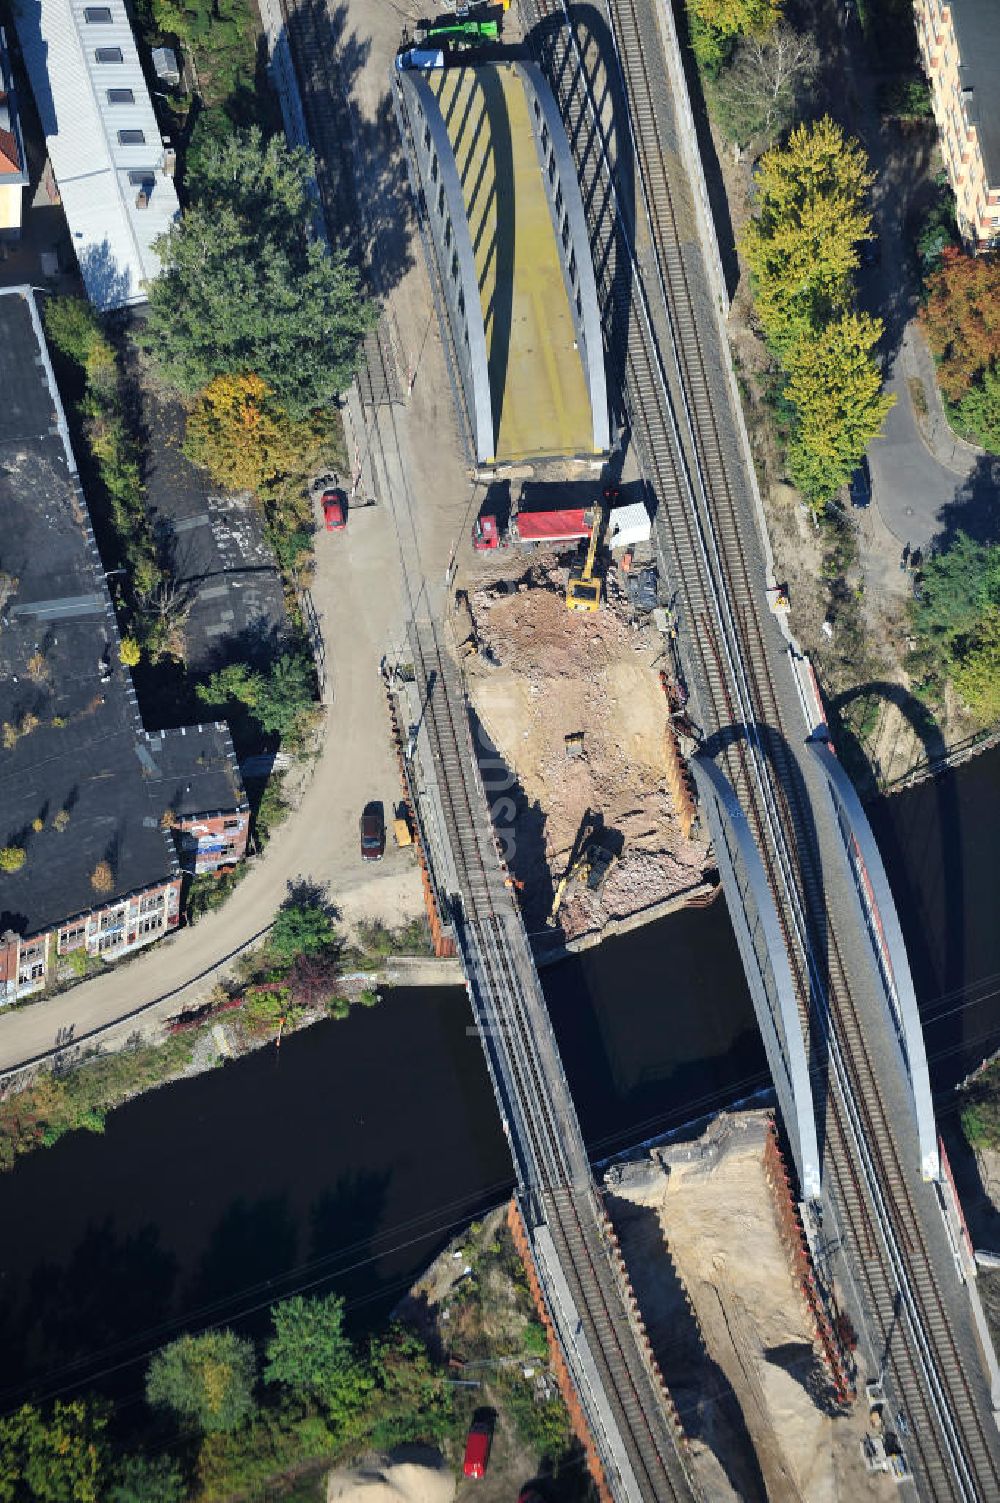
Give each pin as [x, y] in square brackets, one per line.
[759, 92]
[59, 1460]
[977, 670]
[835, 385]
[245, 286]
[802, 246]
[12, 858]
[131, 653]
[961, 318]
[301, 929]
[245, 439]
[276, 700]
[207, 1379]
[715, 24]
[148, 1479]
[414, 1401]
[313, 979]
[959, 586]
[310, 1355]
[979, 410]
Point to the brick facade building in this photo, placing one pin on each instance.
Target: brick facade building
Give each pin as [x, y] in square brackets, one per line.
[960, 49]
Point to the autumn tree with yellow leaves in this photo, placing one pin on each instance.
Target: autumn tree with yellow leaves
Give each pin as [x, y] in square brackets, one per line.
[246, 440]
[716, 24]
[802, 250]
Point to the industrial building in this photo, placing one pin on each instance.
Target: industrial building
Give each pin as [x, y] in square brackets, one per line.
[99, 818]
[113, 171]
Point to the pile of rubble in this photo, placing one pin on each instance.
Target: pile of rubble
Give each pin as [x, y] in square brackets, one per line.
[574, 706]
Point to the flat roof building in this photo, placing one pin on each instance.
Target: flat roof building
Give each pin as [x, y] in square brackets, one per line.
[97, 815]
[109, 161]
[960, 47]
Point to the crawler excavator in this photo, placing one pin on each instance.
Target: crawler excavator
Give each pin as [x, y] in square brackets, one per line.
[583, 587]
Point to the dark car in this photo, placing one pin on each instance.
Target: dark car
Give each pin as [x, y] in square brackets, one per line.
[335, 510]
[860, 485]
[372, 834]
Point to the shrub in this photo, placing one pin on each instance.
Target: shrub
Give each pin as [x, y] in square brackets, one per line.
[102, 878]
[205, 1379]
[12, 858]
[131, 653]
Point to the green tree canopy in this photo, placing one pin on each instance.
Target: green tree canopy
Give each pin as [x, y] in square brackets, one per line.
[802, 245]
[277, 700]
[979, 409]
[148, 1479]
[300, 929]
[715, 24]
[835, 385]
[246, 287]
[207, 1379]
[960, 585]
[310, 1355]
[61, 1459]
[977, 669]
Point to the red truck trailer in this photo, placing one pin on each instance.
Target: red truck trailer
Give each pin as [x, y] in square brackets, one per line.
[566, 525]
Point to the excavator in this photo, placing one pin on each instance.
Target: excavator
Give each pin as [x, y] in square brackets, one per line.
[583, 587]
[589, 860]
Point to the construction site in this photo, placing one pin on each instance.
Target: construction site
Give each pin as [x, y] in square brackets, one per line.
[571, 674]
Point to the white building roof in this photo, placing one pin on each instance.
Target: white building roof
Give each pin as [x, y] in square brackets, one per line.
[102, 176]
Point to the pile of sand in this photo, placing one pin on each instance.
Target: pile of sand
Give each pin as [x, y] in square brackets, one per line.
[547, 673]
[700, 1218]
[393, 1482]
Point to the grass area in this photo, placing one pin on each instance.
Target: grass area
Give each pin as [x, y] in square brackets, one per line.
[81, 1096]
[376, 941]
[980, 1108]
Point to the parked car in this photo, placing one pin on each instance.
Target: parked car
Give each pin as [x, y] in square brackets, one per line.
[860, 485]
[478, 1443]
[335, 510]
[372, 833]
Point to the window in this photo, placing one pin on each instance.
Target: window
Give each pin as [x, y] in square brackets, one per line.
[151, 924]
[151, 901]
[120, 96]
[109, 55]
[131, 138]
[230, 824]
[73, 938]
[98, 15]
[143, 177]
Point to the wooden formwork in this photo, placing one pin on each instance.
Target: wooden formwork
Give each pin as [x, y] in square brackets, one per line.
[829, 1340]
[444, 945]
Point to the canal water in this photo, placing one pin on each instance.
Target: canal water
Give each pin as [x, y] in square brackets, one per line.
[347, 1159]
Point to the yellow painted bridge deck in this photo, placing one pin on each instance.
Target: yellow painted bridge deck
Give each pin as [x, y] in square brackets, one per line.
[540, 402]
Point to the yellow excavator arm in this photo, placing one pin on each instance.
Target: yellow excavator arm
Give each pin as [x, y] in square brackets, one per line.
[583, 589]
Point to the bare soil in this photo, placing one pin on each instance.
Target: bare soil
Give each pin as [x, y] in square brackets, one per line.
[699, 1231]
[544, 673]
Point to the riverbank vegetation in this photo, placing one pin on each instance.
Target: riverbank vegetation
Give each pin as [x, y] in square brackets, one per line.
[303, 972]
[228, 1414]
[979, 1103]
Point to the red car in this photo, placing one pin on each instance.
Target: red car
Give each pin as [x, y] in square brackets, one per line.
[335, 510]
[477, 1446]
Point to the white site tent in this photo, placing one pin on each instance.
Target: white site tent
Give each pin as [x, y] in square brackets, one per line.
[103, 141]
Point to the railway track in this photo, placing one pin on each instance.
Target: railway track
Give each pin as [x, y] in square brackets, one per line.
[707, 542]
[553, 1170]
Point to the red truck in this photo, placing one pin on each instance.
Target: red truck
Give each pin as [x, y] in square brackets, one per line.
[566, 525]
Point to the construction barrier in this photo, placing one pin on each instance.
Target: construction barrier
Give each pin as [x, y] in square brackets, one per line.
[833, 1342]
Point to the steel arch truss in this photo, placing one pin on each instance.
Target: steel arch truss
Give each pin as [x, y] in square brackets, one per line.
[882, 923]
[765, 960]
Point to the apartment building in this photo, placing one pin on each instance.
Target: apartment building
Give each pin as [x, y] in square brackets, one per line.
[960, 48]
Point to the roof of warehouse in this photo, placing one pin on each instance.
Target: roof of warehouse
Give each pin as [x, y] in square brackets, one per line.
[100, 177]
[977, 27]
[73, 739]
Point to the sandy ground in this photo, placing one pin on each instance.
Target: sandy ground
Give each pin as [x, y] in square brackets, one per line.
[697, 1223]
[393, 1482]
[547, 673]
